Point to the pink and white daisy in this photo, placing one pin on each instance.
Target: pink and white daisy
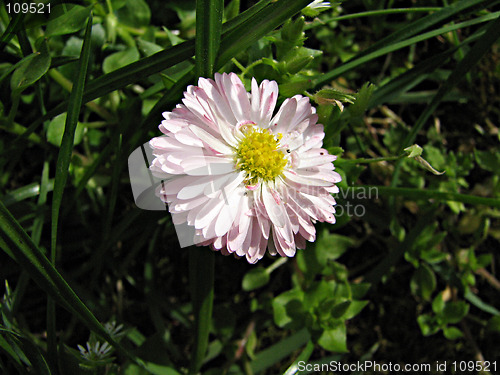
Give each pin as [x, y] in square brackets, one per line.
[246, 180]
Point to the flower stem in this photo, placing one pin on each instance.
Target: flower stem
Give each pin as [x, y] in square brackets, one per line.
[201, 278]
[373, 160]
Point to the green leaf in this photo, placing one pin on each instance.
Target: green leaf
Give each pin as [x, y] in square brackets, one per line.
[18, 245]
[452, 333]
[428, 325]
[135, 13]
[248, 27]
[63, 21]
[362, 100]
[454, 312]
[330, 246]
[285, 305]
[494, 324]
[339, 309]
[297, 59]
[354, 309]
[255, 278]
[255, 28]
[120, 59]
[335, 339]
[438, 303]
[208, 35]
[279, 351]
[30, 70]
[148, 48]
[56, 129]
[423, 282]
[488, 160]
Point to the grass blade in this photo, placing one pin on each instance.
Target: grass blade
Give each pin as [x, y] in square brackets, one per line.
[425, 23]
[201, 277]
[364, 58]
[64, 158]
[483, 45]
[201, 261]
[208, 31]
[20, 247]
[256, 27]
[62, 170]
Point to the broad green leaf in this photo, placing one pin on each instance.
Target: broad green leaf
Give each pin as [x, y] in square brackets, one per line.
[488, 160]
[338, 310]
[423, 282]
[56, 129]
[330, 246]
[453, 312]
[31, 70]
[438, 303]
[428, 325]
[135, 13]
[120, 59]
[8, 71]
[354, 309]
[452, 333]
[285, 305]
[297, 59]
[335, 339]
[494, 324]
[148, 48]
[67, 19]
[255, 278]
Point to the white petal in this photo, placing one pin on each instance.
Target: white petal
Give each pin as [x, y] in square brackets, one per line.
[216, 144]
[274, 208]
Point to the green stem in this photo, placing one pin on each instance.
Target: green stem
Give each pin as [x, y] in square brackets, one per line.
[372, 160]
[16, 97]
[416, 194]
[382, 12]
[201, 277]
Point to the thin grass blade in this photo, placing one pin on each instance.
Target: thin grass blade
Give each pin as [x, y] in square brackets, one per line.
[208, 31]
[483, 45]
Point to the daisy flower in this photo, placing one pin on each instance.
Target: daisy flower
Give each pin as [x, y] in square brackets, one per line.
[246, 180]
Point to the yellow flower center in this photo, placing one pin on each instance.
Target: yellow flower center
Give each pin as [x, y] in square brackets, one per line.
[259, 156]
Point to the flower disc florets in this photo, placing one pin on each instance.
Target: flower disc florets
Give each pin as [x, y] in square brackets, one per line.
[259, 155]
[241, 177]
